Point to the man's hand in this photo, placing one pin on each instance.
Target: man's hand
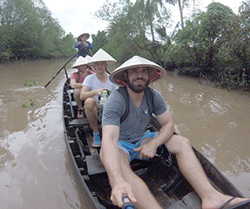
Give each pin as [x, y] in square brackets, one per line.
[82, 42]
[147, 151]
[119, 190]
[85, 43]
[98, 92]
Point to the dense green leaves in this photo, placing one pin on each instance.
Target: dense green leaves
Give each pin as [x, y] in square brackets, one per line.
[28, 32]
[132, 28]
[212, 45]
[99, 40]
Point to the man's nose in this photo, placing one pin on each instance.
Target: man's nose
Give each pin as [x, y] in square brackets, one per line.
[139, 73]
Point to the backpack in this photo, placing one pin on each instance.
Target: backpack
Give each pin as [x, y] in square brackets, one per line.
[163, 153]
[149, 98]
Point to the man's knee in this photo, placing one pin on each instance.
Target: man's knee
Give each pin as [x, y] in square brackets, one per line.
[178, 143]
[77, 92]
[90, 103]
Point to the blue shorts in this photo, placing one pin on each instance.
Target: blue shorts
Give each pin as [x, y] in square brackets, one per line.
[128, 147]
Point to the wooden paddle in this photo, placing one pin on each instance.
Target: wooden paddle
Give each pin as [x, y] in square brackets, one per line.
[63, 67]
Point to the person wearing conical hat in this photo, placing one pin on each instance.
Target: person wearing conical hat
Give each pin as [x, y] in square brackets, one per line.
[125, 139]
[76, 79]
[83, 45]
[92, 89]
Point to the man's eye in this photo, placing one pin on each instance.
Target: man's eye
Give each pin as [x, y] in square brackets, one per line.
[132, 71]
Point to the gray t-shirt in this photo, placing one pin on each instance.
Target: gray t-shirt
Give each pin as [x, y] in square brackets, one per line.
[131, 129]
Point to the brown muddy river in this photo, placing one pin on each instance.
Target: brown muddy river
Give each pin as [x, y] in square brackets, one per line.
[35, 168]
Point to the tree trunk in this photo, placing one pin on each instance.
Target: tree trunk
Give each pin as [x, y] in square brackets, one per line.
[182, 23]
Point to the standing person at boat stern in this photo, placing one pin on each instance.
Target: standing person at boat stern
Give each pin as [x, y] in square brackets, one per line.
[124, 140]
[83, 43]
[92, 88]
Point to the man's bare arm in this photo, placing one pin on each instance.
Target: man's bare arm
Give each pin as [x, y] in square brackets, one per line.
[110, 152]
[167, 128]
[149, 149]
[86, 93]
[74, 84]
[111, 159]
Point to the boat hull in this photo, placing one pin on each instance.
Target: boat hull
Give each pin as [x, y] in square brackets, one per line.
[168, 186]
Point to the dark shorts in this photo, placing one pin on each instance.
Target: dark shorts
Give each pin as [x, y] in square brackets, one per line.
[128, 147]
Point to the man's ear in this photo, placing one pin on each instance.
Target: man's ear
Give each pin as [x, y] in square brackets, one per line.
[125, 74]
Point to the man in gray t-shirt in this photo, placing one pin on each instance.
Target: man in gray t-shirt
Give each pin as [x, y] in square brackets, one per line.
[132, 129]
[123, 141]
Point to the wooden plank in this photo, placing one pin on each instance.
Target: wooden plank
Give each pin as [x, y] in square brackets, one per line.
[70, 104]
[94, 164]
[190, 201]
[73, 103]
[79, 122]
[180, 205]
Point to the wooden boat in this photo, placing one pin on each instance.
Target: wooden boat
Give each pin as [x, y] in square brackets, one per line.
[169, 186]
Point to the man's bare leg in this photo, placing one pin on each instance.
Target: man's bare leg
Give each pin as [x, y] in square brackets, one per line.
[91, 108]
[77, 98]
[194, 173]
[79, 103]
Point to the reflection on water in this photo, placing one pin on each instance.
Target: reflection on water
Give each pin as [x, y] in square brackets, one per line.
[216, 107]
[34, 163]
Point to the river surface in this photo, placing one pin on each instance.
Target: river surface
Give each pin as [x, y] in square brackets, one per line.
[35, 168]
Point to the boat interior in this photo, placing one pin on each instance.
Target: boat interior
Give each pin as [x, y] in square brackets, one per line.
[161, 174]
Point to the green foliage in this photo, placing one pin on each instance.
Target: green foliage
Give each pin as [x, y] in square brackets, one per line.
[31, 103]
[99, 40]
[211, 31]
[213, 22]
[132, 28]
[29, 32]
[67, 46]
[214, 46]
[30, 83]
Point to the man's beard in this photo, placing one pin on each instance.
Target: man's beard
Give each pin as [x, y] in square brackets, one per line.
[138, 88]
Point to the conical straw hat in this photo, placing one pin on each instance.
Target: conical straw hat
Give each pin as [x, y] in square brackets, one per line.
[101, 56]
[155, 71]
[79, 37]
[80, 61]
[88, 58]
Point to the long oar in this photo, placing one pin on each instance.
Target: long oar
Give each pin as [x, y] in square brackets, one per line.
[63, 67]
[60, 69]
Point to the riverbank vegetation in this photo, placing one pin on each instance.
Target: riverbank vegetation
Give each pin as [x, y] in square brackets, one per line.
[28, 32]
[212, 45]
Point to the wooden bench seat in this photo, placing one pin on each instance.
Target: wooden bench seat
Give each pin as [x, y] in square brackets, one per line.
[79, 122]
